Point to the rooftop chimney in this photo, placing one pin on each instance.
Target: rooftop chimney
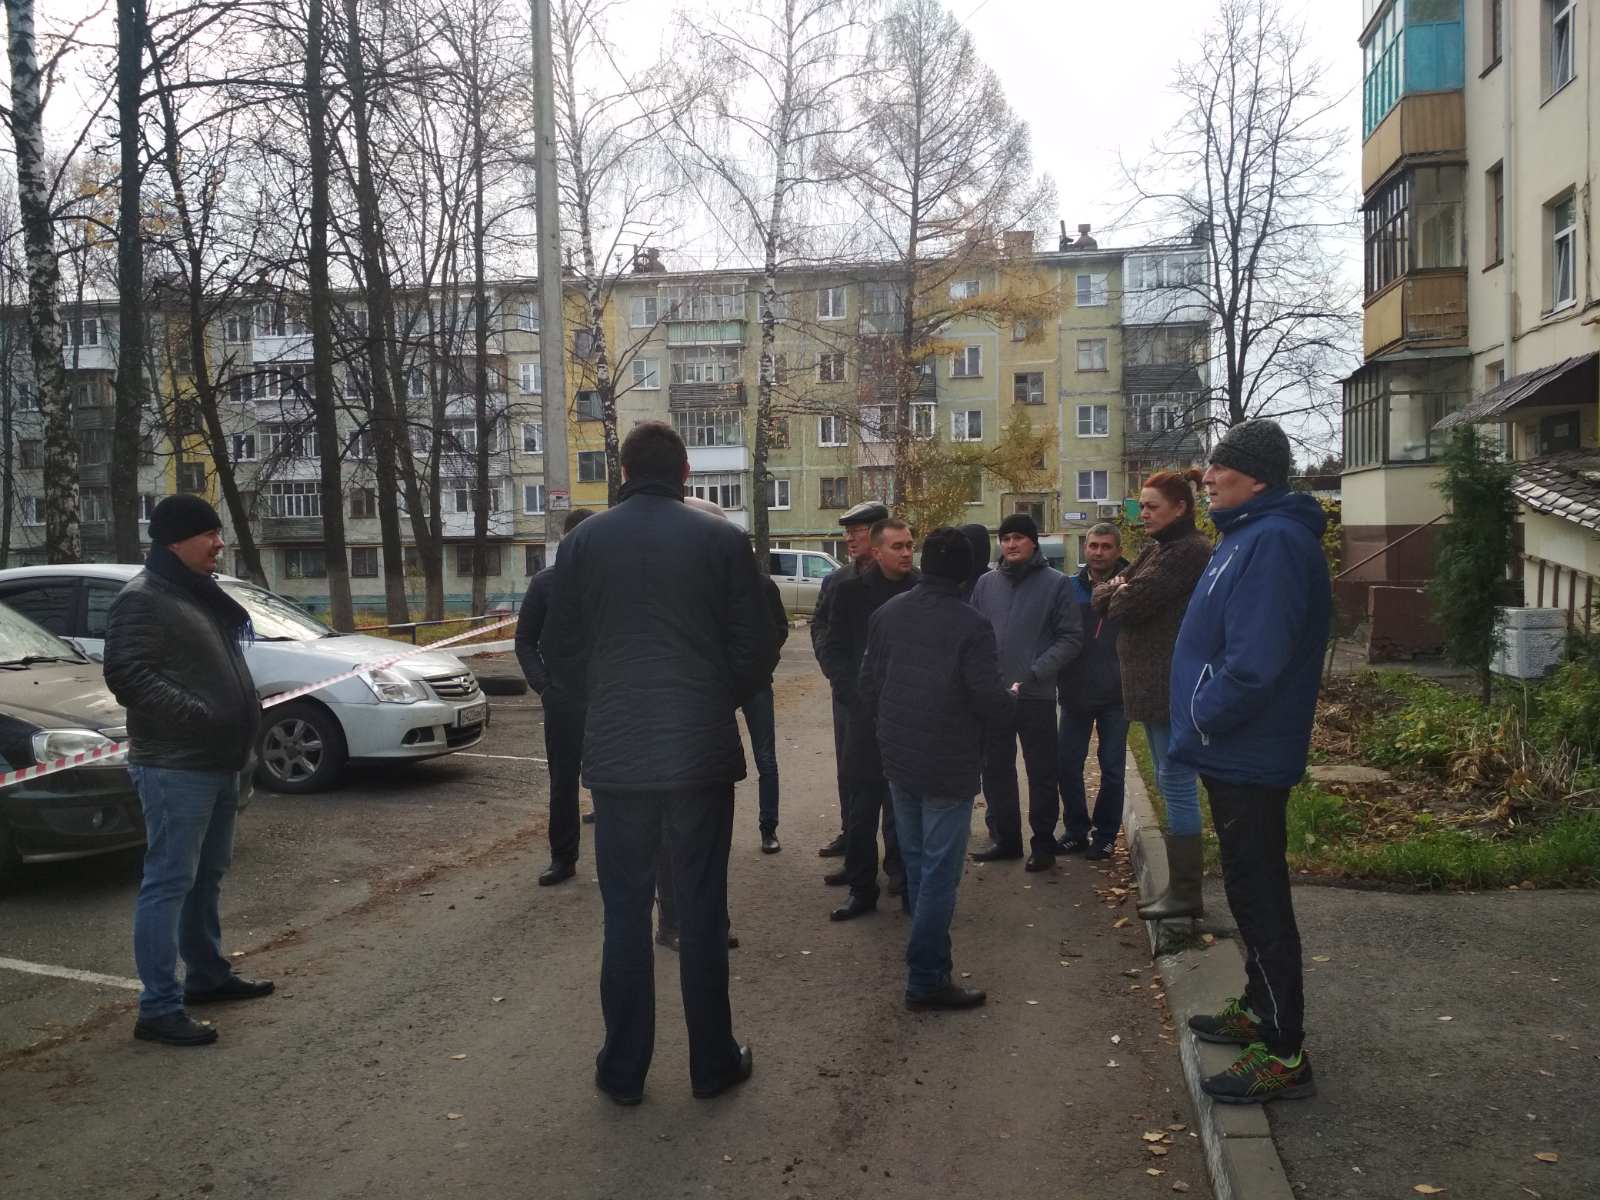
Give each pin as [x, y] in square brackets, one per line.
[1018, 243]
[1065, 241]
[1085, 242]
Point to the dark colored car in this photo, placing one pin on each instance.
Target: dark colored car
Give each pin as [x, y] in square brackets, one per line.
[54, 702]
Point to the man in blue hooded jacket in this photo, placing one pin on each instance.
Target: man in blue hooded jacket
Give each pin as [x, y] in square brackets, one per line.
[1245, 675]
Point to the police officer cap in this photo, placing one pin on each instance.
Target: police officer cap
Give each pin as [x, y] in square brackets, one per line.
[865, 513]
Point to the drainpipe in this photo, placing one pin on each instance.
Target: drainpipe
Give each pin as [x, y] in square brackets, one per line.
[1508, 174]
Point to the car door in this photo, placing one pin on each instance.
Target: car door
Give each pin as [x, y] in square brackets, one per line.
[814, 568]
[48, 600]
[783, 566]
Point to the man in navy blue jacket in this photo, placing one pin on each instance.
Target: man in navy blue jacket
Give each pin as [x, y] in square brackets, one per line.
[1245, 675]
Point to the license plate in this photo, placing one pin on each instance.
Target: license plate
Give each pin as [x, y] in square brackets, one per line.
[471, 715]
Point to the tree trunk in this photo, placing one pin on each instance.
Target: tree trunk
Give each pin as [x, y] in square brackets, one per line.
[388, 434]
[760, 517]
[131, 329]
[480, 366]
[61, 537]
[340, 610]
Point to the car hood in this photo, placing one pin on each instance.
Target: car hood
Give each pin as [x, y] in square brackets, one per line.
[331, 655]
[60, 696]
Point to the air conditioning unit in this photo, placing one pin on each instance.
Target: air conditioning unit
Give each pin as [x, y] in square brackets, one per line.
[1534, 640]
[1108, 512]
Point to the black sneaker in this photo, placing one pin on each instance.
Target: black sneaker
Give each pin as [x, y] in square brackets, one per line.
[174, 1029]
[231, 988]
[1258, 1075]
[950, 996]
[769, 842]
[1098, 852]
[1235, 1025]
[1073, 845]
[834, 849]
[588, 818]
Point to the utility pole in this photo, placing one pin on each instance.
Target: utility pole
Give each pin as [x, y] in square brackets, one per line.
[552, 348]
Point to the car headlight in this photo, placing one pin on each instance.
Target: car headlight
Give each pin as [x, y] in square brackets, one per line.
[59, 743]
[391, 687]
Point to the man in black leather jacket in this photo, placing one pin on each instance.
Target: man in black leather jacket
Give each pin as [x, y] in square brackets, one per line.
[659, 624]
[174, 659]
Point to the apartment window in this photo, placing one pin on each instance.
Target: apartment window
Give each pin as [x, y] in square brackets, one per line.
[587, 406]
[291, 442]
[1027, 387]
[922, 419]
[94, 504]
[1094, 420]
[835, 492]
[147, 505]
[832, 431]
[710, 426]
[191, 477]
[725, 488]
[964, 289]
[968, 363]
[1560, 20]
[27, 399]
[830, 304]
[81, 331]
[236, 328]
[1561, 219]
[528, 316]
[363, 503]
[1495, 212]
[1383, 68]
[305, 562]
[94, 447]
[966, 425]
[463, 494]
[1164, 345]
[416, 383]
[778, 434]
[532, 560]
[1026, 330]
[532, 437]
[33, 510]
[643, 312]
[1091, 354]
[1437, 194]
[591, 466]
[30, 453]
[878, 483]
[705, 364]
[241, 389]
[1494, 32]
[530, 377]
[1092, 290]
[646, 374]
[467, 557]
[359, 446]
[777, 493]
[363, 562]
[830, 368]
[1153, 272]
[1387, 222]
[1094, 485]
[244, 447]
[877, 423]
[294, 498]
[703, 302]
[279, 320]
[533, 499]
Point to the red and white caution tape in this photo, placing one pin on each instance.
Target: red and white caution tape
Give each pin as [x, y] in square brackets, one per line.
[86, 757]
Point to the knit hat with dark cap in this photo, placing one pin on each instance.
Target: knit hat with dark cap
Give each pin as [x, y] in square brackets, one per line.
[180, 517]
[946, 555]
[1259, 449]
[1020, 523]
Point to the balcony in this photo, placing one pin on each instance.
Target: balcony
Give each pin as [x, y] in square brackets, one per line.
[1419, 312]
[291, 529]
[293, 347]
[705, 333]
[461, 525]
[1434, 123]
[99, 357]
[718, 458]
[705, 395]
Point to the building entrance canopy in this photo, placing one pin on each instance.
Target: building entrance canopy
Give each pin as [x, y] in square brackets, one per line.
[1571, 383]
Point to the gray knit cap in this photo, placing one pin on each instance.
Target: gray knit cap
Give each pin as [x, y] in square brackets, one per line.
[1259, 449]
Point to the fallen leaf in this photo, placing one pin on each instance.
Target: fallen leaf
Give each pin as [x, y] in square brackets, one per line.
[1111, 1062]
[1120, 922]
[966, 974]
[1447, 1018]
[1321, 958]
[1208, 939]
[1427, 1189]
[1154, 1171]
[1116, 1039]
[424, 893]
[1033, 1002]
[1158, 1151]
[452, 1116]
[727, 1158]
[1548, 1156]
[1179, 1185]
[1154, 1135]
[498, 999]
[457, 1057]
[803, 952]
[1178, 1128]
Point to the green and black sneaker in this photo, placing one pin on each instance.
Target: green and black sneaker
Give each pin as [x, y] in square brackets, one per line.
[1258, 1076]
[1235, 1025]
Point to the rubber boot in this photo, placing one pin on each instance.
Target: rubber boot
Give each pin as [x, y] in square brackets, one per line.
[1185, 869]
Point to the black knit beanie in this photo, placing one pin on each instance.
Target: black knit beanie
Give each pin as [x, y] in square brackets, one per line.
[1260, 449]
[180, 517]
[946, 555]
[1020, 523]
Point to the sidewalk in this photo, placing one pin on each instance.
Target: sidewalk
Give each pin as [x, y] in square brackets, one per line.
[1455, 1037]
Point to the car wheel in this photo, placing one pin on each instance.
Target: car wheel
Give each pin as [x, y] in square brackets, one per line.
[301, 749]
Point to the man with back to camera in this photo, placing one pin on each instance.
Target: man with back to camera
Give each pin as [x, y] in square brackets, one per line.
[1037, 628]
[563, 721]
[659, 625]
[858, 523]
[1090, 691]
[174, 658]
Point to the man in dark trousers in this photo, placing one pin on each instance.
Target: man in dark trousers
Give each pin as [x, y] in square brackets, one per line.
[659, 624]
[930, 683]
[1090, 691]
[174, 658]
[854, 602]
[563, 720]
[1037, 628]
[858, 523]
[1246, 670]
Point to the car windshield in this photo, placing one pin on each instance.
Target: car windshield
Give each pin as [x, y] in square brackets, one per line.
[275, 619]
[21, 641]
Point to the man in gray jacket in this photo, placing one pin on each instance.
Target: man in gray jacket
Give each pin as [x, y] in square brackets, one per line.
[1038, 630]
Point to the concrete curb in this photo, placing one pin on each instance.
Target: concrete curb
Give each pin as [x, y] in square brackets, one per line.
[1240, 1153]
[475, 648]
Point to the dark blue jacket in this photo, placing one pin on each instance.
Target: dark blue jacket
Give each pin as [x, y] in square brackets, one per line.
[1248, 661]
[1092, 682]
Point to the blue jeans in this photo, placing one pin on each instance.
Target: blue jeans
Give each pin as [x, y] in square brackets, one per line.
[188, 821]
[933, 834]
[1073, 747]
[1180, 785]
[760, 721]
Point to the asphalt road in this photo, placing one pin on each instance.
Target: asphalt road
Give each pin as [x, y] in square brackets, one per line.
[436, 1019]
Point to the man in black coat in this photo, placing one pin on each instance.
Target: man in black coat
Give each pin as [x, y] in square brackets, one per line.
[658, 623]
[563, 721]
[858, 523]
[855, 600]
[1090, 690]
[930, 684]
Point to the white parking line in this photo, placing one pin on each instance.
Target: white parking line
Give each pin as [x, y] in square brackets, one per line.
[507, 757]
[29, 968]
